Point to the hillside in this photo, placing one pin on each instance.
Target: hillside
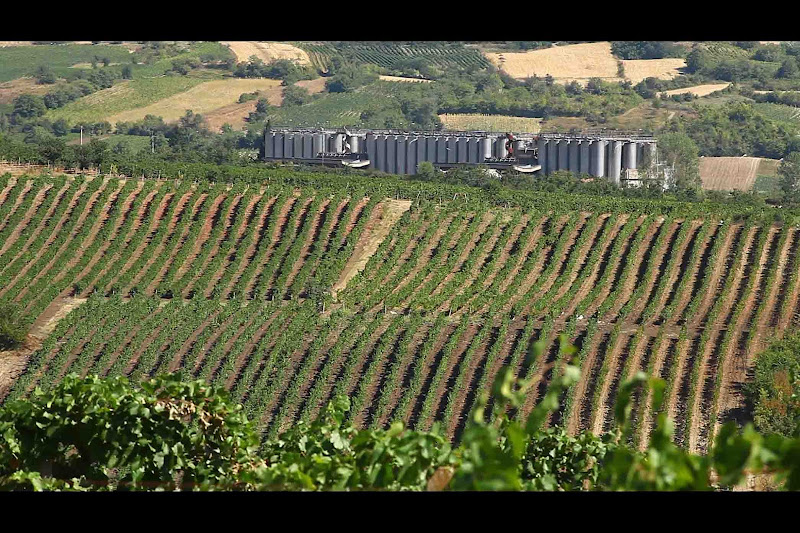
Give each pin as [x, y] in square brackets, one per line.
[225, 283]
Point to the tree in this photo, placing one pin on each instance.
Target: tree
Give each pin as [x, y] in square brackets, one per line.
[294, 96]
[697, 60]
[127, 72]
[788, 68]
[789, 172]
[28, 106]
[44, 75]
[678, 150]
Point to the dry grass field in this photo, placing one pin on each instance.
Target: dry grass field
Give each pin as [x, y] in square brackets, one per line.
[729, 173]
[267, 51]
[205, 98]
[312, 86]
[638, 69]
[11, 89]
[699, 90]
[579, 62]
[575, 61]
[475, 121]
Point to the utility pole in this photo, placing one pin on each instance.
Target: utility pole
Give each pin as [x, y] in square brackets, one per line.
[81, 135]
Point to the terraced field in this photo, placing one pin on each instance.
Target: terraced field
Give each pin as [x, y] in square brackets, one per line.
[223, 283]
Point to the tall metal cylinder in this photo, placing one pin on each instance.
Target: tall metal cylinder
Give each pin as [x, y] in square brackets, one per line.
[552, 155]
[400, 167]
[585, 158]
[288, 146]
[574, 156]
[563, 154]
[319, 143]
[337, 143]
[391, 154]
[278, 145]
[486, 149]
[380, 153]
[461, 150]
[355, 144]
[269, 145]
[615, 161]
[629, 155]
[500, 147]
[473, 150]
[411, 155]
[422, 151]
[598, 159]
[452, 149]
[431, 149]
[369, 147]
[297, 149]
[441, 149]
[542, 152]
[308, 140]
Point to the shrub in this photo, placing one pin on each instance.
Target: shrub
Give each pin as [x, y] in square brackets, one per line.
[13, 326]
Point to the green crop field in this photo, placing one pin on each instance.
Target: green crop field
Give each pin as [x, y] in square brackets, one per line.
[124, 96]
[227, 283]
[388, 54]
[18, 61]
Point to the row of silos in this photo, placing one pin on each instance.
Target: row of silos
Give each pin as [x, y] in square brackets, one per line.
[596, 157]
[306, 145]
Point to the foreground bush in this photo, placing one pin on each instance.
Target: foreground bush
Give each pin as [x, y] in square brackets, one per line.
[773, 392]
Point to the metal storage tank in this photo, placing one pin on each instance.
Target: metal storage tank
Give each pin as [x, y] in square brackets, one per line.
[297, 149]
[319, 143]
[288, 146]
[430, 149]
[518, 147]
[629, 155]
[473, 150]
[380, 153]
[574, 155]
[441, 149]
[615, 161]
[391, 154]
[500, 147]
[411, 155]
[542, 151]
[308, 149]
[278, 145]
[598, 158]
[552, 156]
[486, 149]
[369, 143]
[401, 154]
[452, 149]
[337, 143]
[461, 150]
[269, 145]
[563, 154]
[422, 150]
[584, 166]
[355, 143]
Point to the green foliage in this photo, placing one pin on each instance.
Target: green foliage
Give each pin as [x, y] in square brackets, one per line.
[789, 172]
[646, 49]
[773, 391]
[680, 151]
[13, 326]
[106, 432]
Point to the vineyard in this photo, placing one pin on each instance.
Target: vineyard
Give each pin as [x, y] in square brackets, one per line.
[227, 283]
[390, 55]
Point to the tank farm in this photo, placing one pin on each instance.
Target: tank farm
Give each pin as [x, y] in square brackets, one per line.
[616, 156]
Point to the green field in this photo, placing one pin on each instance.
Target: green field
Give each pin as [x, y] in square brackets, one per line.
[18, 61]
[390, 55]
[124, 96]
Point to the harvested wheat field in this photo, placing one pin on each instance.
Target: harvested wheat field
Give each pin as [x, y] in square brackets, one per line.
[204, 99]
[699, 90]
[267, 51]
[475, 121]
[403, 79]
[575, 61]
[729, 173]
[638, 69]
